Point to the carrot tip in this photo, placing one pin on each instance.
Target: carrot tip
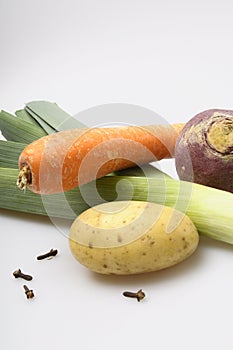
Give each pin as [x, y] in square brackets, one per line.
[24, 178]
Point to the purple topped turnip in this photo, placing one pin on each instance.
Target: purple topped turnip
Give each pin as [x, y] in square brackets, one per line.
[204, 150]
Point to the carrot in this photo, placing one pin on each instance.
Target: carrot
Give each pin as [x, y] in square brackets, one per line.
[61, 161]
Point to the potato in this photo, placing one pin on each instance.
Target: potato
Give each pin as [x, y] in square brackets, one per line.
[131, 237]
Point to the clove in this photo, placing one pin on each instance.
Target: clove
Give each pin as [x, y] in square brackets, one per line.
[19, 274]
[29, 292]
[50, 254]
[139, 295]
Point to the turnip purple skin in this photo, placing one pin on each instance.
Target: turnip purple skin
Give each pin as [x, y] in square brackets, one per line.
[204, 150]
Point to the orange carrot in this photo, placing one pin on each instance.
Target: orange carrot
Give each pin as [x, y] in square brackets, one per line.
[61, 161]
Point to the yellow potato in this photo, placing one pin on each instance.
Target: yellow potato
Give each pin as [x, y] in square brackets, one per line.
[132, 237]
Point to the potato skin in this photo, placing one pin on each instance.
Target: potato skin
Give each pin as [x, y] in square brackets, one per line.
[135, 246]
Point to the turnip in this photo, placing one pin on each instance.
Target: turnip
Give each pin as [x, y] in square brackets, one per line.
[204, 150]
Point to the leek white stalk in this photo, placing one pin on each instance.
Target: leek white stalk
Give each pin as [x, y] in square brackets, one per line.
[211, 210]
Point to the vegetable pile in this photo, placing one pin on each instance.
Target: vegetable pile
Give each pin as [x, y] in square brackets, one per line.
[37, 139]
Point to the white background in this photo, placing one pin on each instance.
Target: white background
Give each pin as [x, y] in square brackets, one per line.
[172, 57]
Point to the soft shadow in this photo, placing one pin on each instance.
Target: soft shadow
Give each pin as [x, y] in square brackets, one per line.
[207, 242]
[61, 225]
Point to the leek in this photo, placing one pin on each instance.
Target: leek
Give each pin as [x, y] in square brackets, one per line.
[9, 153]
[19, 130]
[50, 114]
[210, 209]
[24, 115]
[65, 206]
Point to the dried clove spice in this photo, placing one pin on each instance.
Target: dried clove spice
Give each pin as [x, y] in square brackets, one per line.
[29, 292]
[139, 295]
[19, 274]
[50, 254]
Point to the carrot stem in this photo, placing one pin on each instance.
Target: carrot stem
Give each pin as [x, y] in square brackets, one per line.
[24, 177]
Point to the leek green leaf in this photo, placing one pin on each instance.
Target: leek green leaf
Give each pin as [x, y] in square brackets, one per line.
[24, 115]
[53, 115]
[18, 130]
[9, 153]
